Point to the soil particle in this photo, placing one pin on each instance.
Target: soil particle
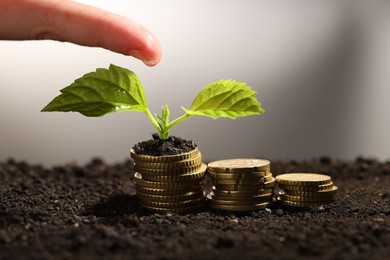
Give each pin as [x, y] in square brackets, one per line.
[91, 212]
[157, 147]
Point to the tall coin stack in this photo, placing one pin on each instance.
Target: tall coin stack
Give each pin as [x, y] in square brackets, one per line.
[171, 182]
[306, 189]
[241, 184]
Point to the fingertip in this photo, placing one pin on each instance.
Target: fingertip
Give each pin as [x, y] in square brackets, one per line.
[149, 53]
[90, 26]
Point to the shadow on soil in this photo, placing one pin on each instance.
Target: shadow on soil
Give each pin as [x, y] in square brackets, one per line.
[119, 204]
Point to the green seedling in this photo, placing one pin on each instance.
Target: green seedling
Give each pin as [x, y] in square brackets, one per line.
[115, 89]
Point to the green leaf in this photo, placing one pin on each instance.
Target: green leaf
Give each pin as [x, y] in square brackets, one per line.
[225, 98]
[101, 92]
[165, 114]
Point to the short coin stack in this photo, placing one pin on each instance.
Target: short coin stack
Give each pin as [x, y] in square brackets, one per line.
[306, 189]
[241, 184]
[170, 183]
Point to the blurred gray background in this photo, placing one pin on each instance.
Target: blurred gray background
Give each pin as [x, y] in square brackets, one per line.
[321, 70]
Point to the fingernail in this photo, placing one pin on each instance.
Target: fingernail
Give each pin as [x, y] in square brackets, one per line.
[143, 57]
[151, 63]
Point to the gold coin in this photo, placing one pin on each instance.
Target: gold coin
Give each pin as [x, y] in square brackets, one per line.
[322, 193]
[305, 199]
[238, 176]
[165, 185]
[254, 207]
[179, 204]
[288, 188]
[242, 201]
[184, 210]
[197, 175]
[163, 158]
[171, 165]
[261, 180]
[303, 179]
[241, 187]
[168, 172]
[247, 165]
[304, 204]
[169, 191]
[241, 194]
[171, 198]
[241, 198]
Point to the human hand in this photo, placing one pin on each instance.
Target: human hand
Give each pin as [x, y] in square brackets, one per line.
[64, 20]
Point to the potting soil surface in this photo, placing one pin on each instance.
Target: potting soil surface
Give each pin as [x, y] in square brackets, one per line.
[92, 212]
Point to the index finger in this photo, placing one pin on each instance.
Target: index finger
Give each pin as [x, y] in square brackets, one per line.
[81, 24]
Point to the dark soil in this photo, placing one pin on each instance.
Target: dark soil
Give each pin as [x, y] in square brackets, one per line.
[157, 147]
[91, 212]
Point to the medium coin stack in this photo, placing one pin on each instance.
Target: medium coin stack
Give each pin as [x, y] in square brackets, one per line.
[241, 184]
[171, 182]
[306, 189]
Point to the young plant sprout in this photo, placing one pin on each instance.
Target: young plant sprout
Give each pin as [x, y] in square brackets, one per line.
[115, 89]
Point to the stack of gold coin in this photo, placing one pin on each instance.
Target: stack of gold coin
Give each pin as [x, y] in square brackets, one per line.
[171, 182]
[241, 184]
[306, 189]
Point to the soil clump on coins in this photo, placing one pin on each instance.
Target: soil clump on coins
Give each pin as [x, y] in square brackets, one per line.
[157, 147]
[90, 211]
